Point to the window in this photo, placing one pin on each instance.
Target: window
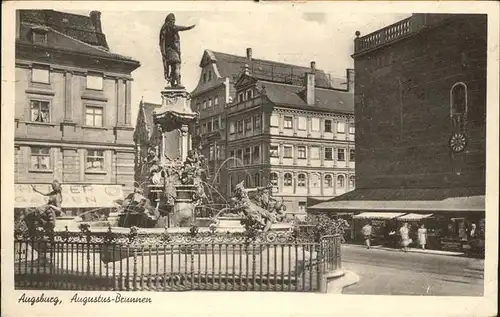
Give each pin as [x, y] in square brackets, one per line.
[458, 106]
[273, 179]
[232, 127]
[256, 179]
[40, 111]
[287, 151]
[198, 106]
[314, 124]
[94, 82]
[249, 94]
[273, 151]
[204, 128]
[340, 181]
[314, 152]
[248, 181]
[340, 127]
[328, 154]
[239, 126]
[218, 152]
[231, 154]
[95, 160]
[248, 124]
[301, 180]
[93, 116]
[351, 155]
[256, 122]
[40, 74]
[302, 206]
[209, 75]
[328, 181]
[216, 101]
[328, 125]
[216, 124]
[287, 180]
[256, 154]
[211, 153]
[39, 37]
[301, 123]
[340, 154]
[352, 181]
[301, 152]
[352, 129]
[315, 181]
[40, 158]
[204, 104]
[274, 121]
[209, 103]
[288, 122]
[241, 97]
[246, 157]
[240, 155]
[209, 126]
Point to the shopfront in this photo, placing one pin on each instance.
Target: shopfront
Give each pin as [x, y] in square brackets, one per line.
[382, 224]
[91, 202]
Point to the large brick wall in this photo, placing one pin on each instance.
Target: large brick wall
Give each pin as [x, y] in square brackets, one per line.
[402, 108]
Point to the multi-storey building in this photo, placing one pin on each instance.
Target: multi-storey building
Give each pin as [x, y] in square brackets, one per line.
[72, 111]
[229, 123]
[420, 110]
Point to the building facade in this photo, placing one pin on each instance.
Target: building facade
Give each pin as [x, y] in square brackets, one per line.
[72, 111]
[420, 110]
[258, 126]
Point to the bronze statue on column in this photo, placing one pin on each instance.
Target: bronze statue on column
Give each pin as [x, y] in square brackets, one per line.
[170, 48]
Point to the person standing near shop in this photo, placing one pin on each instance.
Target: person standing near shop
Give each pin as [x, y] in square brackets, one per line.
[422, 236]
[367, 234]
[404, 232]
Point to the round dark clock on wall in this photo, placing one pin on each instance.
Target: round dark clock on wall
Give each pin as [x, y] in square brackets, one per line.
[458, 142]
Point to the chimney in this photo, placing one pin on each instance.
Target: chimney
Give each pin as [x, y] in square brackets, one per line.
[350, 80]
[249, 53]
[95, 16]
[310, 83]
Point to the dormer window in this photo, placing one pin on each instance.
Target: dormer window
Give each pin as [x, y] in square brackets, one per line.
[249, 94]
[94, 81]
[39, 35]
[241, 97]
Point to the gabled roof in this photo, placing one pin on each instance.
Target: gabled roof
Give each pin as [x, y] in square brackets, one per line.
[328, 100]
[145, 120]
[81, 27]
[63, 42]
[232, 65]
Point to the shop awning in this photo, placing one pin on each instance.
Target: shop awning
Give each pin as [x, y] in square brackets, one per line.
[414, 217]
[74, 196]
[378, 215]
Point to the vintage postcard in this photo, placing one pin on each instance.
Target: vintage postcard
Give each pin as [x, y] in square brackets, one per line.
[250, 158]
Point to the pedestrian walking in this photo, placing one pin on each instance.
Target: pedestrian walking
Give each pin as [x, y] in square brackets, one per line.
[422, 236]
[367, 234]
[404, 232]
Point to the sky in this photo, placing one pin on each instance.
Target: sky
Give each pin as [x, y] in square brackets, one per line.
[296, 37]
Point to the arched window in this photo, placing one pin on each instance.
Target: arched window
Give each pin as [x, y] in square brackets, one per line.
[315, 181]
[458, 105]
[288, 179]
[301, 180]
[328, 181]
[256, 179]
[340, 181]
[274, 179]
[352, 181]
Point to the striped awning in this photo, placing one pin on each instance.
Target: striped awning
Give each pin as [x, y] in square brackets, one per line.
[378, 215]
[413, 217]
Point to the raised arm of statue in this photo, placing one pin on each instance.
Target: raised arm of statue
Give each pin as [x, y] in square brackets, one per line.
[184, 28]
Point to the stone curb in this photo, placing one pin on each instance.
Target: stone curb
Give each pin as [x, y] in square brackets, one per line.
[435, 252]
[336, 286]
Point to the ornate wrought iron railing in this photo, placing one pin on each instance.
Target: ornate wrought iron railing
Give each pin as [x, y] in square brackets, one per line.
[174, 262]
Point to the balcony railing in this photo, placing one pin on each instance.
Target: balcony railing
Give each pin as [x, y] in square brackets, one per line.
[385, 35]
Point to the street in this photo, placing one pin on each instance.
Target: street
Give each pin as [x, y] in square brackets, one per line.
[384, 272]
